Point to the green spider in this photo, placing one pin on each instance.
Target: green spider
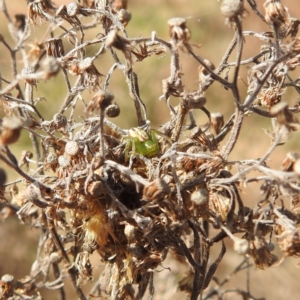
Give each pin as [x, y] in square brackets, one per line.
[145, 143]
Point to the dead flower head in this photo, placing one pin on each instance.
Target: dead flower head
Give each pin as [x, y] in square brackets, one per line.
[278, 17]
[91, 77]
[233, 10]
[261, 253]
[156, 190]
[124, 17]
[120, 43]
[55, 47]
[268, 97]
[179, 33]
[288, 234]
[216, 123]
[113, 110]
[102, 99]
[70, 13]
[26, 72]
[11, 130]
[40, 9]
[286, 121]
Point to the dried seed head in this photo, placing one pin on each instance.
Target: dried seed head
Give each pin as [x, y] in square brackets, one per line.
[20, 22]
[30, 122]
[25, 156]
[289, 161]
[296, 166]
[124, 17]
[232, 9]
[26, 72]
[39, 9]
[85, 64]
[7, 286]
[72, 9]
[32, 194]
[268, 97]
[62, 11]
[200, 196]
[168, 179]
[130, 232]
[178, 30]
[102, 99]
[90, 73]
[64, 161]
[96, 188]
[11, 129]
[60, 121]
[276, 13]
[36, 50]
[55, 48]
[72, 148]
[51, 158]
[51, 67]
[114, 40]
[55, 258]
[97, 230]
[261, 253]
[156, 190]
[195, 100]
[203, 73]
[241, 246]
[282, 113]
[216, 123]
[220, 204]
[113, 110]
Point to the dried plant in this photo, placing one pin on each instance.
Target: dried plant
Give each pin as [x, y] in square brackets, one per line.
[136, 196]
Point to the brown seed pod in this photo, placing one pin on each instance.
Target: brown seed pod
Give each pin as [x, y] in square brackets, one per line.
[156, 190]
[51, 67]
[72, 148]
[20, 22]
[124, 17]
[200, 196]
[130, 232]
[7, 286]
[289, 162]
[232, 9]
[55, 47]
[60, 121]
[11, 129]
[26, 72]
[216, 123]
[64, 161]
[178, 30]
[51, 160]
[95, 188]
[31, 194]
[113, 110]
[278, 17]
[102, 99]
